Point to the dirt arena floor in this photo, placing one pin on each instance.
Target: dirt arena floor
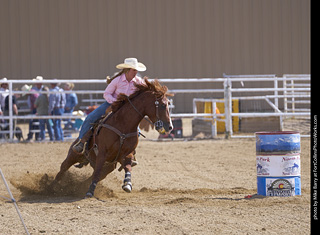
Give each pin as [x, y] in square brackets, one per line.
[179, 187]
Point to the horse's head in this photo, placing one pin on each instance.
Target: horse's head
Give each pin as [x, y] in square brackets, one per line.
[158, 106]
[163, 123]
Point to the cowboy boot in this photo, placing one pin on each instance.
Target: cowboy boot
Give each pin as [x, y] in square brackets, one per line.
[80, 146]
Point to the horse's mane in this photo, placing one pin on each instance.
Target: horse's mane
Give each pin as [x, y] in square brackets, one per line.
[155, 87]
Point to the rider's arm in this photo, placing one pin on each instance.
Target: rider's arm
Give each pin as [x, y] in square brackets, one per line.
[110, 91]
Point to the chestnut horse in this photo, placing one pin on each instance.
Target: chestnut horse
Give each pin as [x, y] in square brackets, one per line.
[116, 137]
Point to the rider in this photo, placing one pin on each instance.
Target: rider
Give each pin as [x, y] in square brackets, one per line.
[122, 82]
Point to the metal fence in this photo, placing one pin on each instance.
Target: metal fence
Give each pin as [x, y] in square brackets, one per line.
[284, 88]
[300, 93]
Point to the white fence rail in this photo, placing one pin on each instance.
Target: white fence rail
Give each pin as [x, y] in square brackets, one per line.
[296, 89]
[292, 92]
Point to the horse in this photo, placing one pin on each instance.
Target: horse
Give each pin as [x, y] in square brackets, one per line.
[115, 137]
[259, 167]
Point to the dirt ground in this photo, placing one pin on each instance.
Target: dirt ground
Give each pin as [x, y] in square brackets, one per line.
[179, 187]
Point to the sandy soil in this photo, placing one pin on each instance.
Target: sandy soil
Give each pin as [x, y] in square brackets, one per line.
[179, 187]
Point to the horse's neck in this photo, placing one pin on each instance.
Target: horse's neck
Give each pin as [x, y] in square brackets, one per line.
[127, 119]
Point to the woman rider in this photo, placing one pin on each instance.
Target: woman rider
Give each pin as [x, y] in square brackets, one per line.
[123, 82]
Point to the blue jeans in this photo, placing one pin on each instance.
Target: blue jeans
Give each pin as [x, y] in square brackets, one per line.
[43, 123]
[58, 132]
[92, 117]
[33, 127]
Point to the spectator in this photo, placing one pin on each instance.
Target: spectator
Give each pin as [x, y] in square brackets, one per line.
[31, 100]
[4, 91]
[57, 103]
[71, 102]
[41, 104]
[14, 105]
[14, 108]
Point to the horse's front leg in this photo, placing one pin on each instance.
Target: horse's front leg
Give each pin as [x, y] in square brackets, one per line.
[127, 165]
[100, 160]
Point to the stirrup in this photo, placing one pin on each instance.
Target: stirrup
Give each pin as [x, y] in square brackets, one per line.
[74, 147]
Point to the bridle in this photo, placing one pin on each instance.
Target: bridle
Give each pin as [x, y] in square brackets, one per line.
[158, 124]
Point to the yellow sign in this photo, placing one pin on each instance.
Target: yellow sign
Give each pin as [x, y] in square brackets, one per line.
[221, 128]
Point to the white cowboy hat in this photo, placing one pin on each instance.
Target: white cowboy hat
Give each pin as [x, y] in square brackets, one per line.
[25, 88]
[38, 78]
[3, 81]
[132, 63]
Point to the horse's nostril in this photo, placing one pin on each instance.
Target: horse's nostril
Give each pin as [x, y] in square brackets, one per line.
[170, 128]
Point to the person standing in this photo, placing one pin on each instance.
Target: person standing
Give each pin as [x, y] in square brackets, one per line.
[14, 109]
[71, 102]
[4, 92]
[14, 105]
[42, 104]
[31, 100]
[57, 103]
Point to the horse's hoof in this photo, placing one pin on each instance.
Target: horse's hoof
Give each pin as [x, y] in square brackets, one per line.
[127, 187]
[134, 163]
[91, 190]
[89, 195]
[80, 165]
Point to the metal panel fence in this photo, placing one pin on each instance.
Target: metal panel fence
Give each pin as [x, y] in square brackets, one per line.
[294, 93]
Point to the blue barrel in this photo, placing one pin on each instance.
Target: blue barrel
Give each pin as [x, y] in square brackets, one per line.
[279, 186]
[278, 163]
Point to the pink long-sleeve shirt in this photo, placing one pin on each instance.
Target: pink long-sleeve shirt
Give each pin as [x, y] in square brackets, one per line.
[120, 85]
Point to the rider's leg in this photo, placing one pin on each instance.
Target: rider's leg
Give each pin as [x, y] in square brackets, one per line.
[85, 132]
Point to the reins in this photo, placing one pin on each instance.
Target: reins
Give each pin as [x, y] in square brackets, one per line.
[140, 113]
[157, 124]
